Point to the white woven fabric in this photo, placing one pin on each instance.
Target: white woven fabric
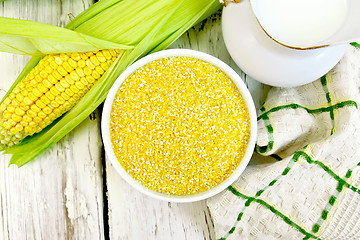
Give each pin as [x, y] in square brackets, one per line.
[314, 191]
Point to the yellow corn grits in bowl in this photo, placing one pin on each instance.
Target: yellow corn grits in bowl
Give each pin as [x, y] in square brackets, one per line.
[179, 126]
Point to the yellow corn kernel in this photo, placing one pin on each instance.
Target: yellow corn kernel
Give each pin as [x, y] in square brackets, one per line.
[58, 60]
[36, 92]
[30, 76]
[62, 71]
[24, 92]
[42, 88]
[104, 66]
[80, 72]
[35, 108]
[94, 60]
[47, 84]
[95, 75]
[54, 104]
[81, 92]
[19, 112]
[81, 63]
[99, 70]
[31, 113]
[19, 97]
[107, 54]
[113, 52]
[62, 108]
[101, 57]
[57, 112]
[59, 100]
[11, 109]
[64, 57]
[11, 122]
[48, 69]
[33, 83]
[54, 91]
[72, 63]
[50, 96]
[87, 71]
[40, 104]
[67, 67]
[37, 119]
[65, 96]
[3, 107]
[50, 81]
[43, 74]
[12, 96]
[69, 92]
[16, 118]
[7, 101]
[72, 101]
[42, 115]
[32, 97]
[90, 79]
[6, 125]
[52, 116]
[45, 99]
[79, 85]
[90, 64]
[6, 115]
[24, 107]
[19, 127]
[63, 83]
[13, 131]
[47, 121]
[67, 105]
[76, 96]
[42, 125]
[69, 80]
[74, 76]
[89, 54]
[83, 56]
[53, 65]
[84, 81]
[27, 119]
[56, 75]
[59, 87]
[47, 110]
[27, 129]
[75, 56]
[15, 102]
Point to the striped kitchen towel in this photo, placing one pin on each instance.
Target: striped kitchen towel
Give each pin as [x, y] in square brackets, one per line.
[308, 185]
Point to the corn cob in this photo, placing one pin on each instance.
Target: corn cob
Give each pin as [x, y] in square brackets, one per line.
[50, 89]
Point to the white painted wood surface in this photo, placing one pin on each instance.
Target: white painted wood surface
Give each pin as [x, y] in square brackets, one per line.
[60, 194]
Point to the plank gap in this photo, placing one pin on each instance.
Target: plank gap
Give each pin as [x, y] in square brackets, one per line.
[105, 189]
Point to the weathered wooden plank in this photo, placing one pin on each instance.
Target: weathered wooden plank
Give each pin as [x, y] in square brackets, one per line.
[135, 216]
[59, 195]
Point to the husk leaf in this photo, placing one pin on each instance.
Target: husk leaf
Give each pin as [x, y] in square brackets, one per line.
[26, 37]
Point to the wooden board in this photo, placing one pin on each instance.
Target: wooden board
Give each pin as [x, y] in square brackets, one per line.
[60, 194]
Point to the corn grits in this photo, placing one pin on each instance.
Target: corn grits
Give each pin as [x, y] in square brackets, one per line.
[179, 126]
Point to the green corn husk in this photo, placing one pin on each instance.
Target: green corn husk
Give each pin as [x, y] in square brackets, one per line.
[138, 27]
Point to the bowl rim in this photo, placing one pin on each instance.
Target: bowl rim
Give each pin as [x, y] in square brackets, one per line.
[107, 107]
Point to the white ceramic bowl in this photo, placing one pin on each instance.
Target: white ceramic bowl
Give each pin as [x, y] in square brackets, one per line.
[105, 124]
